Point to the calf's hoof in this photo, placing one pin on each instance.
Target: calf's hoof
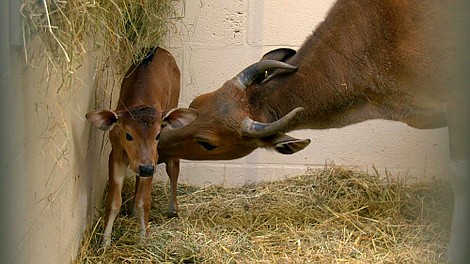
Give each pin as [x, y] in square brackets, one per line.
[105, 242]
[172, 214]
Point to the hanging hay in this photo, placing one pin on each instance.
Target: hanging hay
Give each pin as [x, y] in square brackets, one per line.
[117, 32]
[76, 44]
[326, 216]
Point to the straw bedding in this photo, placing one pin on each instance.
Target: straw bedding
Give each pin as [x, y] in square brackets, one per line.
[332, 215]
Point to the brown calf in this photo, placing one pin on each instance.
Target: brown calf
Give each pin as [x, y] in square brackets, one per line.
[147, 101]
[370, 59]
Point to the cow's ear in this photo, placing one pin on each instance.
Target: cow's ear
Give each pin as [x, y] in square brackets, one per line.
[282, 54]
[285, 144]
[103, 119]
[179, 117]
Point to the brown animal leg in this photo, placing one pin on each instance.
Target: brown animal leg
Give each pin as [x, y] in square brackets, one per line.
[143, 200]
[173, 171]
[134, 208]
[113, 201]
[459, 171]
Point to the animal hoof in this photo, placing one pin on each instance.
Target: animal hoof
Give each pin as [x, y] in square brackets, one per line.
[172, 214]
[133, 211]
[105, 242]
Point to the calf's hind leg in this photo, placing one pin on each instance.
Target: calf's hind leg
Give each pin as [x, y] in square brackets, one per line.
[173, 170]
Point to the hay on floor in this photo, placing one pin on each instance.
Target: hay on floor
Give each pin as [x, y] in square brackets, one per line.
[332, 215]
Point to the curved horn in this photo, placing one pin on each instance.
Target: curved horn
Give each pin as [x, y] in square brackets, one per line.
[256, 129]
[250, 73]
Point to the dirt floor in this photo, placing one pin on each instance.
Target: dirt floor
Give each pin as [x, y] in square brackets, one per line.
[332, 215]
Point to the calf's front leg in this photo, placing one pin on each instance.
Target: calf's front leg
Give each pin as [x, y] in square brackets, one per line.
[143, 200]
[117, 169]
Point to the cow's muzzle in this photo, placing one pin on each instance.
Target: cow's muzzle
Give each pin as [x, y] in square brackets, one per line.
[146, 170]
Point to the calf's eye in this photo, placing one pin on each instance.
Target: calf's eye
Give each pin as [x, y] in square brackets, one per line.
[157, 137]
[206, 145]
[129, 137]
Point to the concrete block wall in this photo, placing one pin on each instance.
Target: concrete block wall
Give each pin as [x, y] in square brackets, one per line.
[59, 169]
[214, 40]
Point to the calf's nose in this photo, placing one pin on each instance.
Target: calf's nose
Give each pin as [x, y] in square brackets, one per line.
[146, 170]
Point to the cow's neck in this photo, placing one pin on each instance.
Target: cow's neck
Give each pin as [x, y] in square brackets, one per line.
[330, 82]
[356, 68]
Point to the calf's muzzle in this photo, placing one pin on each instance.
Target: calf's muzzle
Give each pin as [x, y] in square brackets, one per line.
[146, 170]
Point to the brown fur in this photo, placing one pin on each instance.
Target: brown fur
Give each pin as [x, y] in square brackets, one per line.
[367, 60]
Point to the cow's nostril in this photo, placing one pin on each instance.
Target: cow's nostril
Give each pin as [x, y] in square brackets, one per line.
[146, 170]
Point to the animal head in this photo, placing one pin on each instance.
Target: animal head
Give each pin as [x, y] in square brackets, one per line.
[227, 127]
[136, 132]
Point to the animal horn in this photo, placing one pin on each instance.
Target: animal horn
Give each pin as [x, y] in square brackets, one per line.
[250, 73]
[256, 129]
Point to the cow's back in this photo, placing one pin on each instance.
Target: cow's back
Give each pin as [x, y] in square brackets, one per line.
[386, 46]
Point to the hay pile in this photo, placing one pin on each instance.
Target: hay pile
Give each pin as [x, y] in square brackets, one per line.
[326, 216]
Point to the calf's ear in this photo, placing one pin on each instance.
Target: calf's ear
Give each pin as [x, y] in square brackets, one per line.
[285, 144]
[179, 117]
[103, 119]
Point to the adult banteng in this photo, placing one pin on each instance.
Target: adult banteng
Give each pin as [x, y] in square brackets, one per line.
[397, 60]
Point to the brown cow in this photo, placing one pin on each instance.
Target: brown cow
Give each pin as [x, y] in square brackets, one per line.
[369, 59]
[147, 101]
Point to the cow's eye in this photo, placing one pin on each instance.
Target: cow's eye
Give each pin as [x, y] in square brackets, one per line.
[157, 137]
[206, 145]
[129, 137]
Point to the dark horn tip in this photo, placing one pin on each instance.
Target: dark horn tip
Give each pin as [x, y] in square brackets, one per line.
[250, 73]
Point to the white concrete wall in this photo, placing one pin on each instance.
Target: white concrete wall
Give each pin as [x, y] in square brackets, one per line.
[216, 39]
[59, 172]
